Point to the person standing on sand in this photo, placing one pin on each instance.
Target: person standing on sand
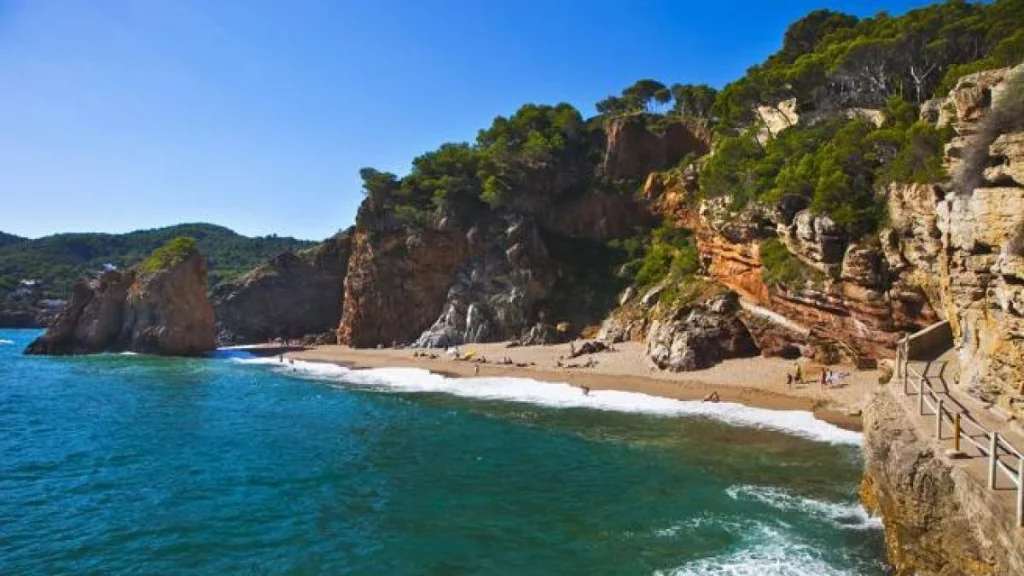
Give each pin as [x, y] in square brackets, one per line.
[823, 377]
[789, 380]
[798, 377]
[476, 370]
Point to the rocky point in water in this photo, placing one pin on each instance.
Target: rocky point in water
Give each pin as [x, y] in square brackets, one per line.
[157, 307]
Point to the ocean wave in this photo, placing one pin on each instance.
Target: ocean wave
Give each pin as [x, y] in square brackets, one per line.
[767, 551]
[6, 342]
[556, 395]
[847, 515]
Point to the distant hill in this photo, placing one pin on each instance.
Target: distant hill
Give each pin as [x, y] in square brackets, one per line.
[8, 239]
[59, 259]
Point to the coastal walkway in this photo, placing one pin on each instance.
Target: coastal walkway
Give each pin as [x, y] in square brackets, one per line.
[969, 435]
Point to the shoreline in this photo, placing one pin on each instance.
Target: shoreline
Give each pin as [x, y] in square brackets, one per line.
[686, 386]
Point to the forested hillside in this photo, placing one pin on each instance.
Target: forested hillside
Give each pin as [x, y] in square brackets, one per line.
[6, 239]
[827, 122]
[59, 259]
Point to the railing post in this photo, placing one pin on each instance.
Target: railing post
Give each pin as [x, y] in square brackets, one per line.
[956, 432]
[993, 458]
[904, 363]
[1020, 493]
[938, 419]
[920, 396]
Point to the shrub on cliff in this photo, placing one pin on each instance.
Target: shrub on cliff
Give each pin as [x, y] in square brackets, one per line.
[169, 255]
[669, 253]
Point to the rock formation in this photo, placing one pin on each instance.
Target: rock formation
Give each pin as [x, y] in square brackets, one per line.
[24, 315]
[490, 275]
[164, 311]
[700, 335]
[290, 296]
[981, 235]
[939, 520]
[398, 278]
[960, 243]
[495, 292]
[633, 150]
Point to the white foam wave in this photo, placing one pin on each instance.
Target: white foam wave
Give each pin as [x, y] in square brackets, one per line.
[767, 552]
[6, 342]
[851, 516]
[565, 396]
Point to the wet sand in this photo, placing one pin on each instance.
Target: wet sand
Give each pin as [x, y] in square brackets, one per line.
[758, 382]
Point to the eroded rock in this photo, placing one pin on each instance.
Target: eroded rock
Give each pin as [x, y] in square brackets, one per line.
[163, 312]
[700, 335]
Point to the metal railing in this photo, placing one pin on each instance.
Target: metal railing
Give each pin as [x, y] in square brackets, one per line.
[964, 428]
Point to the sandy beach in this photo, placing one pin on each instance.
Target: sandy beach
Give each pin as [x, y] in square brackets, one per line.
[758, 382]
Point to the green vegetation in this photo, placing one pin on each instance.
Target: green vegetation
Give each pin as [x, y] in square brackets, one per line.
[8, 239]
[837, 165]
[525, 162]
[830, 60]
[668, 254]
[781, 268]
[58, 260]
[169, 255]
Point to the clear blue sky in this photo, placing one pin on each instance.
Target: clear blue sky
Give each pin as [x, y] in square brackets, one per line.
[119, 115]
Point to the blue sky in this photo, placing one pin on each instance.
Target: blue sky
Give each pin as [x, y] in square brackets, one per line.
[257, 115]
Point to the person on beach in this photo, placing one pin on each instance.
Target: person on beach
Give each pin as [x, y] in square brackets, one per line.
[280, 358]
[476, 370]
[798, 377]
[586, 390]
[824, 376]
[789, 380]
[713, 397]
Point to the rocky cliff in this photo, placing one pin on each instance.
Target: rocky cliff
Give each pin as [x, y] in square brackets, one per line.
[939, 520]
[959, 242]
[15, 314]
[480, 275]
[291, 296]
[980, 243]
[162, 311]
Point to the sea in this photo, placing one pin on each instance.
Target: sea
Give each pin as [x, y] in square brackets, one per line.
[233, 464]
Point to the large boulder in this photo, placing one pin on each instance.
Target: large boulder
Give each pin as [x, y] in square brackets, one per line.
[700, 336]
[289, 296]
[161, 311]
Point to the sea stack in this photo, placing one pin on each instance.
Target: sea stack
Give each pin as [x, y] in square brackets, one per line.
[160, 306]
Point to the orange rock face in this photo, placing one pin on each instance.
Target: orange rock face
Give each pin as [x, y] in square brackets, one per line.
[397, 283]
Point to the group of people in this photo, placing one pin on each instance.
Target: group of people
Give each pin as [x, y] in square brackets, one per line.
[827, 379]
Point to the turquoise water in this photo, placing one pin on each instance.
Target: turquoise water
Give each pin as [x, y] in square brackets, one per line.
[126, 464]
